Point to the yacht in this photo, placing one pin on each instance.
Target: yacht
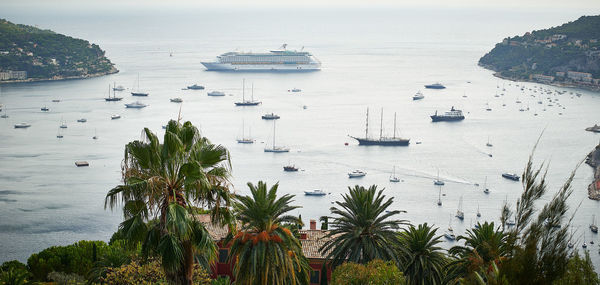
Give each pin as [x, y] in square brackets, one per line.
[459, 212]
[244, 139]
[82, 120]
[115, 116]
[275, 148]
[195, 87]
[136, 105]
[510, 222]
[449, 234]
[271, 116]
[114, 97]
[418, 96]
[281, 59]
[381, 141]
[452, 115]
[511, 176]
[216, 93]
[295, 90]
[393, 177]
[356, 173]
[438, 181]
[176, 100]
[139, 92]
[118, 88]
[435, 86]
[316, 192]
[22, 125]
[593, 226]
[244, 102]
[290, 168]
[45, 109]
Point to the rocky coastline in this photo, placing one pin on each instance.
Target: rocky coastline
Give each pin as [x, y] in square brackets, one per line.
[113, 70]
[581, 86]
[593, 160]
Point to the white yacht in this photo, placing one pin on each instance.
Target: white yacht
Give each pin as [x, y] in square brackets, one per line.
[22, 125]
[316, 192]
[136, 105]
[393, 177]
[356, 173]
[115, 116]
[176, 100]
[216, 93]
[418, 96]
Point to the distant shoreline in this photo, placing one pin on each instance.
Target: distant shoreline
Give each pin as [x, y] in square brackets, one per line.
[87, 76]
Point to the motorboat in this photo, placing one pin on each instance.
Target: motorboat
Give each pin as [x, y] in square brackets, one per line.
[216, 93]
[136, 105]
[82, 120]
[22, 125]
[296, 90]
[115, 116]
[195, 87]
[316, 192]
[271, 116]
[176, 100]
[356, 173]
[418, 96]
[511, 176]
[45, 109]
[290, 168]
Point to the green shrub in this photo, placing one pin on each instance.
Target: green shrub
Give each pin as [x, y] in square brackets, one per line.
[376, 272]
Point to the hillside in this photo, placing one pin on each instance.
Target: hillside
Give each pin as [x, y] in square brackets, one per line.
[568, 54]
[46, 55]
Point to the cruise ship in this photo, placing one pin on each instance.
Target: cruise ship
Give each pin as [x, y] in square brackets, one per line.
[274, 60]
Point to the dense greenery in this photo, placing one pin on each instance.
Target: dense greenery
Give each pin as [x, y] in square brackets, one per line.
[266, 252]
[164, 184]
[422, 261]
[376, 272]
[45, 54]
[538, 53]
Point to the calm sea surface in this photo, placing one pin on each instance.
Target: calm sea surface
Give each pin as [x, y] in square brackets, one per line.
[371, 59]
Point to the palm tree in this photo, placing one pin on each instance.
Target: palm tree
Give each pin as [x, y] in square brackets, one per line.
[163, 183]
[265, 250]
[483, 246]
[422, 260]
[362, 228]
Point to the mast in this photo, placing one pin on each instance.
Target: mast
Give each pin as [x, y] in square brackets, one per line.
[274, 134]
[138, 82]
[440, 195]
[108, 91]
[243, 89]
[394, 124]
[367, 125]
[252, 94]
[381, 125]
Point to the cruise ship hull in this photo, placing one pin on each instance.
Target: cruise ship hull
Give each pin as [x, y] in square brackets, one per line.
[215, 66]
[395, 142]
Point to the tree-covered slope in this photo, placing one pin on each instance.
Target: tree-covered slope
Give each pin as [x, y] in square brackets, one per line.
[572, 46]
[45, 54]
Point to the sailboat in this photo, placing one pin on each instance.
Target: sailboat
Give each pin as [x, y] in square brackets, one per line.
[63, 124]
[276, 148]
[393, 177]
[138, 92]
[4, 116]
[59, 135]
[487, 108]
[478, 213]
[459, 212]
[485, 189]
[244, 139]
[593, 226]
[438, 181]
[382, 141]
[95, 135]
[244, 102]
[488, 144]
[439, 196]
[450, 232]
[584, 245]
[114, 97]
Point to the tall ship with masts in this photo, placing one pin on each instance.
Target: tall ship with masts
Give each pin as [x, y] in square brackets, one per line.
[280, 59]
[382, 140]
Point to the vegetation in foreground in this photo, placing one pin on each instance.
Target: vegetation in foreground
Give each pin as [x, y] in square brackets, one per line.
[159, 242]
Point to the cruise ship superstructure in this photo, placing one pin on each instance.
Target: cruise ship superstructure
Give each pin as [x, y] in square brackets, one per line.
[276, 60]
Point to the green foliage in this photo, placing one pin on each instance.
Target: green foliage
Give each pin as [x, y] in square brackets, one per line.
[13, 273]
[76, 258]
[361, 228]
[221, 280]
[376, 272]
[266, 252]
[167, 182]
[580, 270]
[61, 278]
[147, 273]
[422, 261]
[75, 57]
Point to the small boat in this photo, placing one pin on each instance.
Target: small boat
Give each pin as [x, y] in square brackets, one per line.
[449, 234]
[63, 124]
[244, 102]
[45, 109]
[296, 90]
[316, 192]
[435, 86]
[138, 92]
[118, 88]
[459, 212]
[22, 125]
[290, 168]
[59, 134]
[271, 116]
[511, 176]
[478, 213]
[136, 105]
[216, 93]
[95, 135]
[485, 189]
[593, 226]
[55, 100]
[438, 181]
[196, 87]
[418, 96]
[115, 116]
[487, 108]
[570, 245]
[356, 173]
[275, 148]
[393, 177]
[81, 163]
[82, 120]
[176, 100]
[488, 144]
[510, 222]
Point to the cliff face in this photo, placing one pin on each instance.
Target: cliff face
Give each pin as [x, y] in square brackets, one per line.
[44, 54]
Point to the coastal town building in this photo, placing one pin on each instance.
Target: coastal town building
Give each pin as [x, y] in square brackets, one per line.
[542, 78]
[579, 76]
[12, 75]
[311, 240]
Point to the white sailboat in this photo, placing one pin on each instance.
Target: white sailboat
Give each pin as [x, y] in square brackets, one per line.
[59, 134]
[95, 135]
[488, 144]
[138, 92]
[438, 181]
[593, 226]
[486, 190]
[275, 148]
[478, 213]
[459, 212]
[393, 177]
[450, 232]
[244, 139]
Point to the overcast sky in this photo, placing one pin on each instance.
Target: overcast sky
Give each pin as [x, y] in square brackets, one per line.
[593, 6]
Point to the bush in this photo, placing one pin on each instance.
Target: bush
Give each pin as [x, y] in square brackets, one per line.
[147, 273]
[13, 273]
[376, 272]
[66, 279]
[77, 258]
